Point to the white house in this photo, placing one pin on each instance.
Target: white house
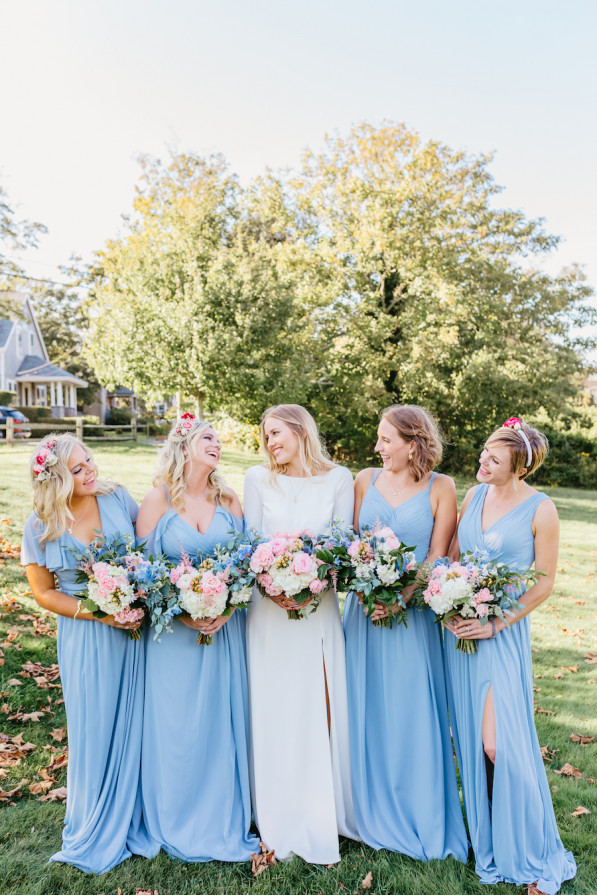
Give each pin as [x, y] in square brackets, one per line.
[26, 369]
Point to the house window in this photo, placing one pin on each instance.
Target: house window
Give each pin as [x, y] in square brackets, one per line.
[31, 342]
[20, 342]
[41, 396]
[11, 385]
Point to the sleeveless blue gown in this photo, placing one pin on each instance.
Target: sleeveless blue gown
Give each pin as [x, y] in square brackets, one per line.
[101, 670]
[403, 775]
[195, 769]
[517, 840]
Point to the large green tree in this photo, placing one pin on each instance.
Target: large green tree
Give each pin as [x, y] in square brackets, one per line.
[434, 289]
[197, 297]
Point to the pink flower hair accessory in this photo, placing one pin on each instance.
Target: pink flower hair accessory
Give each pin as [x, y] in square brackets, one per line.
[514, 422]
[45, 459]
[184, 426]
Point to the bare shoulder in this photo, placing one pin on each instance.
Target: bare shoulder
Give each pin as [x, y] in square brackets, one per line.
[233, 504]
[153, 507]
[443, 484]
[363, 480]
[467, 498]
[546, 513]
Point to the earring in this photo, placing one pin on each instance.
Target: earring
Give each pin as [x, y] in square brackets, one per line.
[410, 455]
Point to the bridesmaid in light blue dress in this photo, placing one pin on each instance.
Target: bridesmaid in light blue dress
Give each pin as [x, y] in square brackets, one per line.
[101, 669]
[506, 794]
[403, 775]
[195, 778]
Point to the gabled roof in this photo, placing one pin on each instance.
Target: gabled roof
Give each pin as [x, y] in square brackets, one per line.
[38, 369]
[5, 330]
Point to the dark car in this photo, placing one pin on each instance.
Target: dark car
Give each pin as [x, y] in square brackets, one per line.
[21, 429]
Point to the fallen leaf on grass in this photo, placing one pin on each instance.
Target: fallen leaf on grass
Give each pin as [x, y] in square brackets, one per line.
[366, 884]
[57, 763]
[25, 716]
[568, 771]
[591, 658]
[6, 795]
[579, 811]
[8, 550]
[589, 780]
[41, 786]
[58, 734]
[580, 738]
[548, 754]
[558, 675]
[145, 892]
[39, 672]
[13, 682]
[262, 861]
[539, 711]
[55, 795]
[572, 668]
[43, 629]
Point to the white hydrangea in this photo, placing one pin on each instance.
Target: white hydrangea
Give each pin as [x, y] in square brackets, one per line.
[387, 574]
[113, 603]
[290, 583]
[241, 596]
[197, 607]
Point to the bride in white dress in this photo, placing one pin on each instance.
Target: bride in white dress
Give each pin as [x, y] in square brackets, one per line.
[300, 759]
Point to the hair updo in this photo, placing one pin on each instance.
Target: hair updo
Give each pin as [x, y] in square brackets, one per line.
[512, 439]
[414, 423]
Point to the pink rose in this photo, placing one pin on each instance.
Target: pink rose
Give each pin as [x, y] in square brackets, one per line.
[392, 543]
[295, 533]
[262, 558]
[317, 586]
[353, 548]
[265, 579]
[482, 610]
[410, 566]
[40, 459]
[129, 615]
[187, 424]
[385, 532]
[278, 545]
[302, 564]
[174, 575]
[107, 584]
[484, 596]
[37, 469]
[427, 595]
[211, 585]
[434, 588]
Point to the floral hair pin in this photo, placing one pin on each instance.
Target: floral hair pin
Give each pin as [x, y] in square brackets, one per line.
[45, 459]
[184, 426]
[514, 422]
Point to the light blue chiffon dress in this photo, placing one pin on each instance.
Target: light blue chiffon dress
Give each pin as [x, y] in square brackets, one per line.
[195, 770]
[516, 839]
[102, 673]
[403, 774]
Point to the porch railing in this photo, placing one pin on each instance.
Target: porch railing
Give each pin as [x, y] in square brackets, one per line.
[129, 432]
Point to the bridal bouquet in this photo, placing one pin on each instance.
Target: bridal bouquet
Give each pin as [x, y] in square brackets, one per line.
[105, 568]
[216, 585]
[381, 567]
[286, 563]
[152, 583]
[474, 587]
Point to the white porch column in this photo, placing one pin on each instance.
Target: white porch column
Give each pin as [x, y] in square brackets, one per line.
[52, 395]
[59, 396]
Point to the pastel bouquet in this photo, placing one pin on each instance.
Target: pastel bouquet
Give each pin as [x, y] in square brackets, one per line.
[286, 564]
[105, 568]
[152, 583]
[474, 587]
[215, 585]
[381, 567]
[333, 554]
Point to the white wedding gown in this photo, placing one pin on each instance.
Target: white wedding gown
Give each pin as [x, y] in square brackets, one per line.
[300, 773]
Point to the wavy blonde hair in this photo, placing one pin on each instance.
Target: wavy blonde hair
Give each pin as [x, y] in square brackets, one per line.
[172, 461]
[414, 423]
[314, 458]
[518, 449]
[51, 497]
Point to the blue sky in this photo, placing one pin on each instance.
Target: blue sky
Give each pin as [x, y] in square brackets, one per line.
[85, 88]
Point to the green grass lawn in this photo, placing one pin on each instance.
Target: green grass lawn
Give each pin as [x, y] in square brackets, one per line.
[564, 634]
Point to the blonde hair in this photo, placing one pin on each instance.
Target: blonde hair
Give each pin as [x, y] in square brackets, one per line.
[172, 460]
[414, 423]
[51, 496]
[518, 449]
[313, 456]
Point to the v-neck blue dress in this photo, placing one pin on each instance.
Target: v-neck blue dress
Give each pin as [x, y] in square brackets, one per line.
[195, 769]
[101, 670]
[403, 775]
[517, 839]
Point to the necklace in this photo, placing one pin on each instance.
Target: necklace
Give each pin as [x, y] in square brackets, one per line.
[293, 497]
[393, 490]
[74, 522]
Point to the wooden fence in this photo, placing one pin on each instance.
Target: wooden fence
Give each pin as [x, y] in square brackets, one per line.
[8, 434]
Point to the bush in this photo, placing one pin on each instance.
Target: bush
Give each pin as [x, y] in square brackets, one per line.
[37, 414]
[233, 432]
[118, 416]
[571, 462]
[6, 398]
